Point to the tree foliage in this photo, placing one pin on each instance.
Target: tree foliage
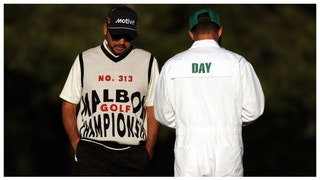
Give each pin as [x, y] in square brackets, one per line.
[42, 41]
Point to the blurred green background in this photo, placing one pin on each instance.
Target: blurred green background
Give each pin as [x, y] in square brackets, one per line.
[41, 42]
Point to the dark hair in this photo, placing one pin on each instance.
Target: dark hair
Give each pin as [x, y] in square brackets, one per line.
[205, 25]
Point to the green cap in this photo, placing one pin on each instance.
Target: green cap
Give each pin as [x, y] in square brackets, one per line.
[214, 17]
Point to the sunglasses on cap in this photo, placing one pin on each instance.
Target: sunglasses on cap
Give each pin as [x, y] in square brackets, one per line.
[127, 37]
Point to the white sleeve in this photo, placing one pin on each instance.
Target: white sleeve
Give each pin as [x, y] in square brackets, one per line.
[152, 84]
[163, 107]
[253, 97]
[71, 91]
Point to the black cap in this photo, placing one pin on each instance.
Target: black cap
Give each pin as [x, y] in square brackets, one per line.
[122, 21]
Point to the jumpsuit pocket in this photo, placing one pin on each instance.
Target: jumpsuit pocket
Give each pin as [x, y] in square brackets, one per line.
[144, 155]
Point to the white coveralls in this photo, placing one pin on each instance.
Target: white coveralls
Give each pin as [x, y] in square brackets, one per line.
[207, 94]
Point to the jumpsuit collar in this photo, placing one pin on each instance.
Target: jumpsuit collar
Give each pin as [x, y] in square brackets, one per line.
[205, 42]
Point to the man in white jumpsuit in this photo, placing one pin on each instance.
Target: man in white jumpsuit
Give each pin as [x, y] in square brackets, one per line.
[207, 94]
